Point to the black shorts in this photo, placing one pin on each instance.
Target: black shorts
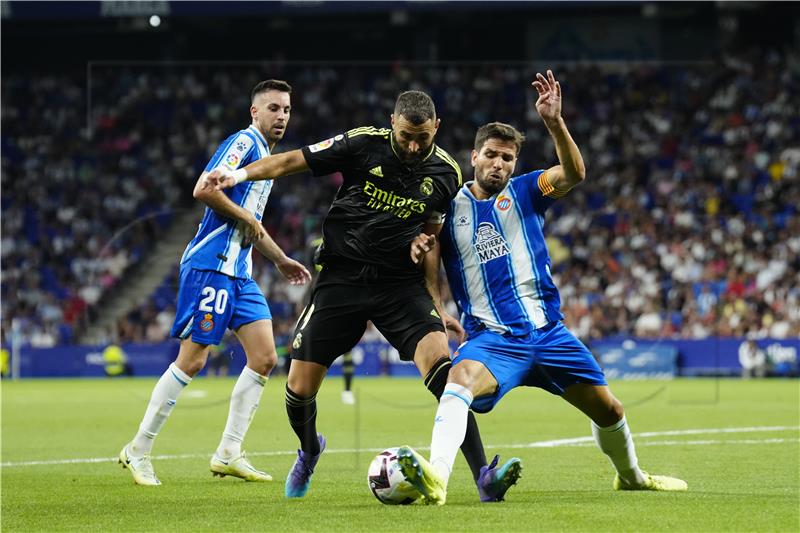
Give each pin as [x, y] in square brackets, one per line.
[336, 316]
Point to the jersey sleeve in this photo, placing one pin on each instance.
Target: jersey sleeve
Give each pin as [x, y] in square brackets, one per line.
[329, 155]
[232, 152]
[537, 185]
[439, 211]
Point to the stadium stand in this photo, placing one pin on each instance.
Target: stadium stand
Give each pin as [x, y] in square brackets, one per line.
[686, 227]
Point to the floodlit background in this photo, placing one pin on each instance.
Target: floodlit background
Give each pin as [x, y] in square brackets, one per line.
[678, 256]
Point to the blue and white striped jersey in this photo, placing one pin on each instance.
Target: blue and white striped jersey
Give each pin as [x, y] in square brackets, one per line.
[496, 259]
[218, 242]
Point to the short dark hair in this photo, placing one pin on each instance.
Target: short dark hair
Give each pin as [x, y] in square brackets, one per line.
[416, 106]
[270, 85]
[498, 130]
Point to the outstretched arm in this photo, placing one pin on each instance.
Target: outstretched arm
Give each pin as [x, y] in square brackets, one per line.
[266, 168]
[571, 169]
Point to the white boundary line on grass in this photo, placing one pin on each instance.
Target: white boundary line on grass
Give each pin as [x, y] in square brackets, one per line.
[578, 441]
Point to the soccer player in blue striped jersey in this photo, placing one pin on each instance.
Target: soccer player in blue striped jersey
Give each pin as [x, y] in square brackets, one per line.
[498, 267]
[217, 292]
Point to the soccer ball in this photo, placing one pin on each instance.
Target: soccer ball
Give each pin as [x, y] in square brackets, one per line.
[386, 480]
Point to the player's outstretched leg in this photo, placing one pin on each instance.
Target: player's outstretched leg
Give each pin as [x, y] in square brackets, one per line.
[652, 482]
[299, 478]
[420, 473]
[471, 444]
[494, 482]
[614, 439]
[141, 468]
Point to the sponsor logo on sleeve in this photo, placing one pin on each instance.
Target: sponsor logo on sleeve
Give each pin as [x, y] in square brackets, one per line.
[232, 160]
[323, 145]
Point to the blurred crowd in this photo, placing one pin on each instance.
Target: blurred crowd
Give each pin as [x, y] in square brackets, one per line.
[686, 226]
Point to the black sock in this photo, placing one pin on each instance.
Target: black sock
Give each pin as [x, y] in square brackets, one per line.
[347, 370]
[472, 447]
[303, 418]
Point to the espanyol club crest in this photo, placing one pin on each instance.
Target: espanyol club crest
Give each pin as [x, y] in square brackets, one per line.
[503, 202]
[207, 324]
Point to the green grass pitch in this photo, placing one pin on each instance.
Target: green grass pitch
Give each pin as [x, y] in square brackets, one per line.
[737, 444]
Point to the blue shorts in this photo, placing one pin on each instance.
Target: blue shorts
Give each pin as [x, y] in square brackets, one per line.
[210, 302]
[550, 358]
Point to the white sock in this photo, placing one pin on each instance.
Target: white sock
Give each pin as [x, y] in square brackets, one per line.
[162, 401]
[244, 402]
[449, 428]
[617, 443]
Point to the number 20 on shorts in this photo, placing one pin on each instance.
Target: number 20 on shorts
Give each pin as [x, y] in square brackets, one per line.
[219, 299]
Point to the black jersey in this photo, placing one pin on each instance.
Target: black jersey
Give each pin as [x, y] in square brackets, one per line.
[383, 203]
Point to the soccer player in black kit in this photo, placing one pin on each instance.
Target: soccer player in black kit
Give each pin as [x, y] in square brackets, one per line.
[397, 183]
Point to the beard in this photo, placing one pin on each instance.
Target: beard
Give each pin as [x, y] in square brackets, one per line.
[406, 156]
[490, 184]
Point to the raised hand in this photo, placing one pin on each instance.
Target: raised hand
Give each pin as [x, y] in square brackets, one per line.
[293, 271]
[549, 103]
[421, 245]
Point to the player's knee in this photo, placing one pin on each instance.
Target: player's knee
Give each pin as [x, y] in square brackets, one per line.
[617, 410]
[264, 361]
[611, 413]
[430, 350]
[191, 366]
[460, 375]
[300, 386]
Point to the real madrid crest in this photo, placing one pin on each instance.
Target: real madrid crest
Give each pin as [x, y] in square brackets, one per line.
[426, 187]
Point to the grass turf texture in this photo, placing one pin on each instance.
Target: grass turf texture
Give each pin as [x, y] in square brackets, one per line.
[738, 481]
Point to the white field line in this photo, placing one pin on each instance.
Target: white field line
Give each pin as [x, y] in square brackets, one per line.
[577, 441]
[709, 431]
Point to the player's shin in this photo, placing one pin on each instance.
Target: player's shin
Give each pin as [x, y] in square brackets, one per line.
[244, 402]
[162, 401]
[472, 447]
[449, 428]
[303, 419]
[617, 443]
